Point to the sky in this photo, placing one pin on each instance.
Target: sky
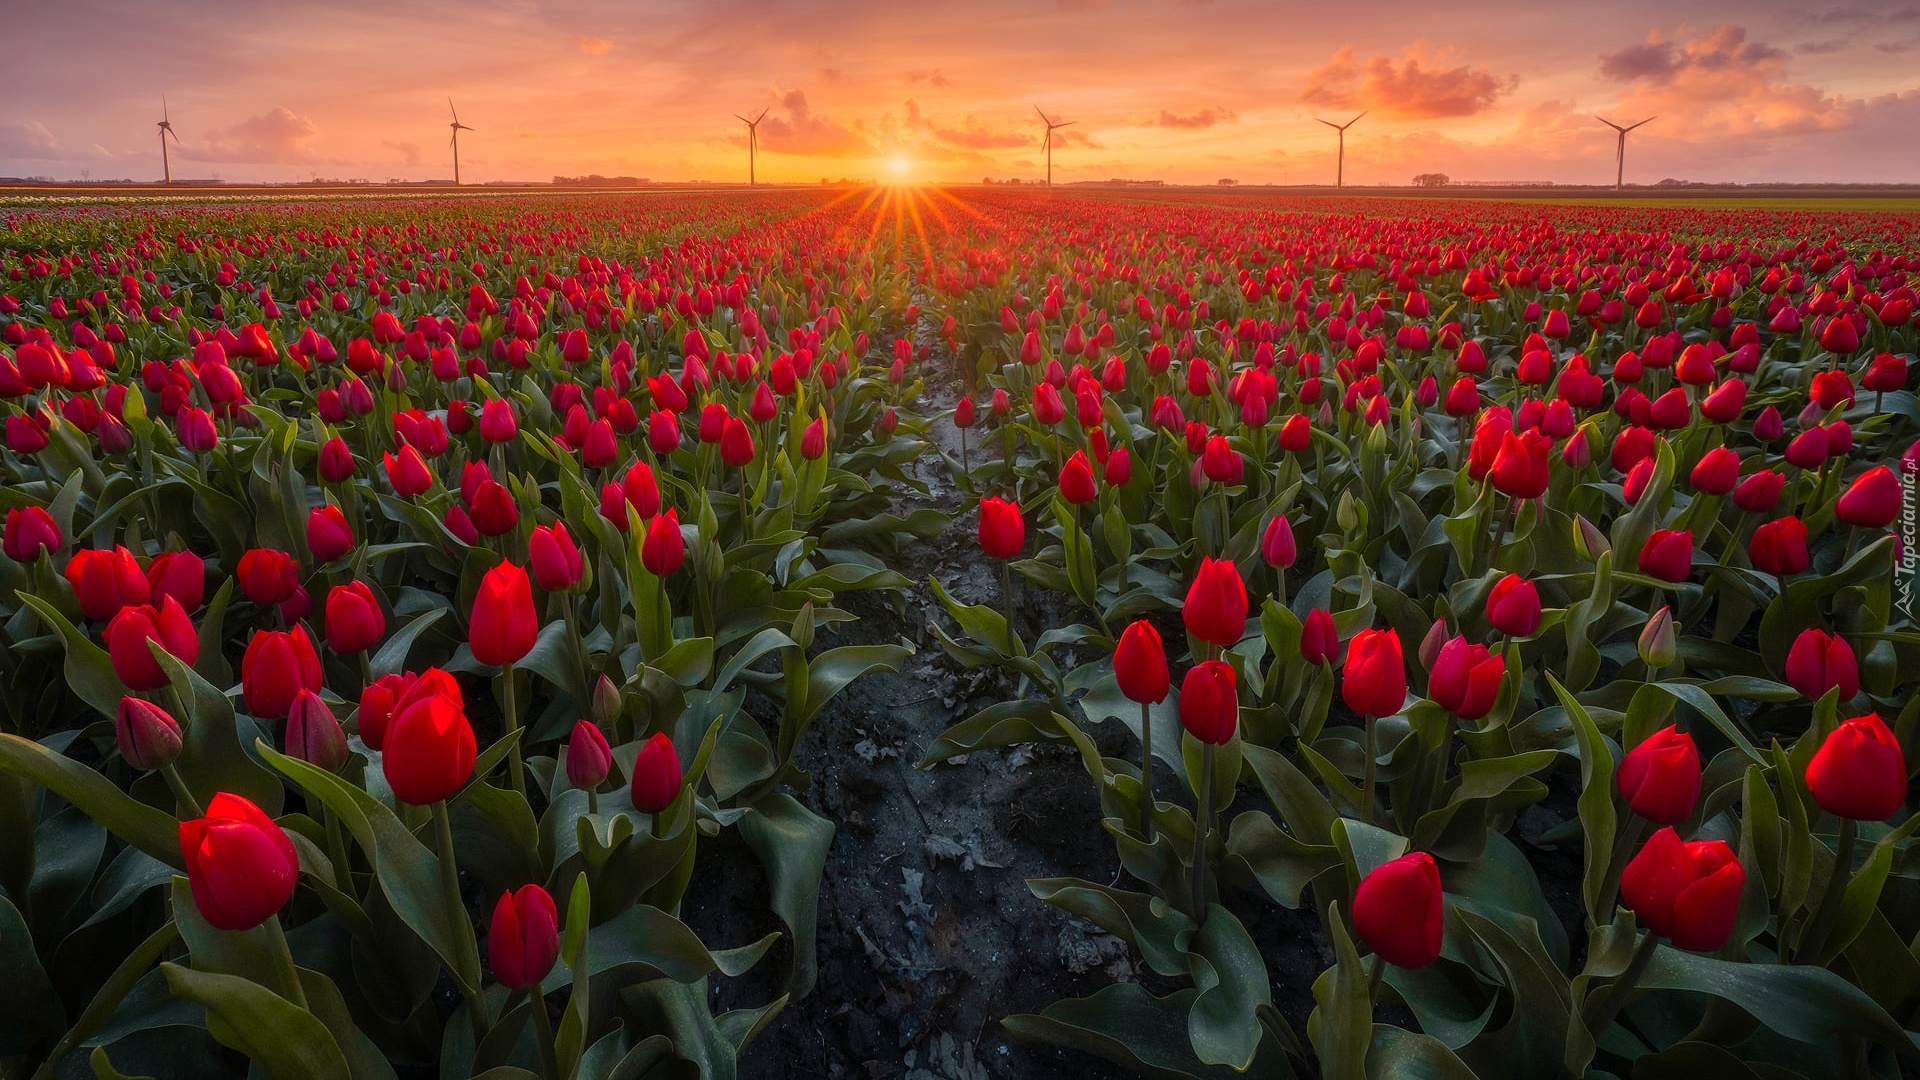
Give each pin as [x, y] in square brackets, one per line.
[1186, 91]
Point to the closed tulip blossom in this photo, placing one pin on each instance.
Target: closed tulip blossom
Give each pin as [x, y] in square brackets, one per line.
[1859, 773]
[268, 576]
[428, 746]
[147, 735]
[241, 867]
[1466, 678]
[104, 581]
[1668, 555]
[504, 624]
[1215, 610]
[328, 534]
[1002, 532]
[1318, 636]
[523, 938]
[1209, 705]
[1397, 911]
[165, 624]
[556, 561]
[1277, 544]
[1374, 680]
[1076, 479]
[1872, 501]
[663, 549]
[1780, 547]
[657, 778]
[1660, 776]
[313, 733]
[354, 619]
[30, 533]
[1513, 606]
[278, 664]
[1688, 893]
[1819, 662]
[589, 758]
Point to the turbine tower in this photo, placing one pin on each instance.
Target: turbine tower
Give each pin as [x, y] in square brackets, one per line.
[1620, 156]
[457, 127]
[166, 128]
[1047, 143]
[753, 140]
[1340, 176]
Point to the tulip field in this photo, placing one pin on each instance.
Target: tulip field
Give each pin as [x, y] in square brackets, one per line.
[957, 633]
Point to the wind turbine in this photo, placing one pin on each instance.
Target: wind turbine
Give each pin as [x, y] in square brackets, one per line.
[166, 128]
[1620, 158]
[1340, 176]
[753, 140]
[457, 127]
[1047, 143]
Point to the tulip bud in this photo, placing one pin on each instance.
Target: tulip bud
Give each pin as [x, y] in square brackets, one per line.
[428, 746]
[1374, 680]
[1209, 702]
[354, 619]
[589, 759]
[1588, 540]
[1215, 610]
[1277, 545]
[1819, 662]
[1660, 777]
[657, 777]
[1003, 533]
[503, 625]
[148, 736]
[523, 940]
[1318, 636]
[1437, 636]
[1859, 772]
[313, 733]
[606, 701]
[1513, 606]
[241, 866]
[1397, 910]
[1140, 664]
[1657, 644]
[663, 549]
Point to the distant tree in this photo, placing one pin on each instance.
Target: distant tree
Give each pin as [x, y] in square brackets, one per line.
[1432, 179]
[1227, 182]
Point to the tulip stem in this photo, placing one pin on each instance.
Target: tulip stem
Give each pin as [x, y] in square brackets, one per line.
[181, 793]
[1815, 939]
[1006, 601]
[1614, 997]
[593, 800]
[543, 1024]
[966, 469]
[1367, 776]
[1376, 968]
[1500, 534]
[1146, 772]
[1201, 827]
[337, 851]
[283, 958]
[516, 768]
[457, 910]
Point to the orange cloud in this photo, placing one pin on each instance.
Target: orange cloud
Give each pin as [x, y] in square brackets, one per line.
[1205, 118]
[592, 46]
[278, 137]
[803, 132]
[1718, 85]
[1406, 88]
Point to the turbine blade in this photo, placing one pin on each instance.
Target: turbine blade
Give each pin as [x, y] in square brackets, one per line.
[763, 114]
[1648, 120]
[1331, 124]
[1069, 123]
[1355, 120]
[1043, 116]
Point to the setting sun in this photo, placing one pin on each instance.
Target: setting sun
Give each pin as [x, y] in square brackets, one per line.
[899, 166]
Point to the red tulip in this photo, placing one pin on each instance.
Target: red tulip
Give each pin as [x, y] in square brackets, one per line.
[240, 865]
[106, 581]
[589, 759]
[1209, 702]
[1717, 472]
[1660, 777]
[1872, 501]
[354, 618]
[1859, 772]
[278, 664]
[328, 534]
[31, 532]
[1513, 606]
[135, 625]
[1277, 545]
[663, 549]
[663, 432]
[813, 440]
[1668, 554]
[428, 746]
[1216, 605]
[1076, 479]
[1374, 680]
[503, 625]
[556, 560]
[408, 473]
[1466, 678]
[1140, 664]
[736, 443]
[377, 703]
[1397, 910]
[1003, 533]
[656, 775]
[1688, 893]
[497, 422]
[336, 461]
[641, 491]
[1318, 636]
[1780, 547]
[523, 940]
[1520, 470]
[1759, 493]
[268, 576]
[1819, 662]
[148, 736]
